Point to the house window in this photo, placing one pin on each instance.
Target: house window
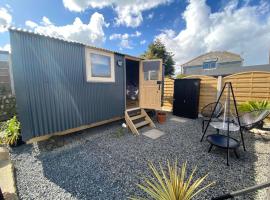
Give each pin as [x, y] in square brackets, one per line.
[209, 65]
[99, 66]
[151, 75]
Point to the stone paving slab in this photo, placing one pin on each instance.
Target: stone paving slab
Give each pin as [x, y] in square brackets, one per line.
[7, 181]
[154, 133]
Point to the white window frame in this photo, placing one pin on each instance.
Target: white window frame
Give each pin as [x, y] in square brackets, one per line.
[149, 75]
[208, 63]
[89, 76]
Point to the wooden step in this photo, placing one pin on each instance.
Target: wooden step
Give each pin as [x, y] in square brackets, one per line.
[133, 109]
[137, 117]
[141, 124]
[131, 115]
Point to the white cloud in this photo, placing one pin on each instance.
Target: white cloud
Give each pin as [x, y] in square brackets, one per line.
[125, 39]
[150, 16]
[5, 47]
[125, 44]
[91, 33]
[136, 34]
[5, 19]
[46, 21]
[31, 24]
[115, 36]
[143, 42]
[244, 30]
[129, 12]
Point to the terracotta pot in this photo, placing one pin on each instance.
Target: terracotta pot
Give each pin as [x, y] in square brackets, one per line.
[161, 117]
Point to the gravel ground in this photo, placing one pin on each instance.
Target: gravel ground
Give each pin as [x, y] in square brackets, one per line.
[99, 164]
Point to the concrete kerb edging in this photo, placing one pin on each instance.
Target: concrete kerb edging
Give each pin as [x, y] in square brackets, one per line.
[7, 178]
[4, 153]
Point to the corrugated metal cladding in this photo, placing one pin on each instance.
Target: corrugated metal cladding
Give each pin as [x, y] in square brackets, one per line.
[51, 89]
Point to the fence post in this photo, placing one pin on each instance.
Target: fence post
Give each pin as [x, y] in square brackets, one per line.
[219, 85]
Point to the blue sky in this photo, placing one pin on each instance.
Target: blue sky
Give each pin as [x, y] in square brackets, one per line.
[187, 27]
[59, 15]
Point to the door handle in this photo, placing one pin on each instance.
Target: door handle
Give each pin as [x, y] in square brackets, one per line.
[159, 83]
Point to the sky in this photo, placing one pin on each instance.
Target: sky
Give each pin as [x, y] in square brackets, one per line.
[188, 28]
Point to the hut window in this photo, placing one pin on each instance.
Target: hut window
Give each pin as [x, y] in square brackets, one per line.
[151, 75]
[99, 66]
[151, 70]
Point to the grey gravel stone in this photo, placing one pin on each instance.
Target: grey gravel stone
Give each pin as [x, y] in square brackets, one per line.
[97, 164]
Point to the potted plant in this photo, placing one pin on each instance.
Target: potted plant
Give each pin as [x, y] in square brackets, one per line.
[10, 132]
[250, 106]
[161, 117]
[253, 105]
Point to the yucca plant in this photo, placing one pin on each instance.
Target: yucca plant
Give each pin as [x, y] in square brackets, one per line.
[253, 105]
[172, 184]
[10, 131]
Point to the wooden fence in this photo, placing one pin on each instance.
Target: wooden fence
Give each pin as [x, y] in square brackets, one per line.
[168, 94]
[5, 87]
[250, 86]
[247, 86]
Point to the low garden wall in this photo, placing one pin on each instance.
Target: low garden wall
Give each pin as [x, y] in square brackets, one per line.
[7, 107]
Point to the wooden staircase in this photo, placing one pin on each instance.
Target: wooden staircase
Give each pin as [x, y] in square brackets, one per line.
[137, 118]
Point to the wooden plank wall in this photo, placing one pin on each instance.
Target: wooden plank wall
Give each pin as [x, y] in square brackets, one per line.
[168, 94]
[5, 87]
[208, 89]
[250, 86]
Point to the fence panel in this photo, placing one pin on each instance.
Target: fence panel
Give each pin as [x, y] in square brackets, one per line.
[168, 94]
[248, 86]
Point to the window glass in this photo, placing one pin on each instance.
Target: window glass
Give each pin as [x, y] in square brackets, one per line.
[151, 75]
[100, 65]
[209, 65]
[146, 76]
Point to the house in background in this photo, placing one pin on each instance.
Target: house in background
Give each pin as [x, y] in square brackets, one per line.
[219, 63]
[5, 83]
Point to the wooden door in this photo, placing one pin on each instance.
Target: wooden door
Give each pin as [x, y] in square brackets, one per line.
[151, 74]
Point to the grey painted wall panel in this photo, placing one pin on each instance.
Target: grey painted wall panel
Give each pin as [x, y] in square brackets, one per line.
[224, 69]
[51, 89]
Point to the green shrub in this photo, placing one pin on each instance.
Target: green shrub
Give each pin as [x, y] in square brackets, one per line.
[180, 76]
[10, 131]
[172, 185]
[253, 105]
